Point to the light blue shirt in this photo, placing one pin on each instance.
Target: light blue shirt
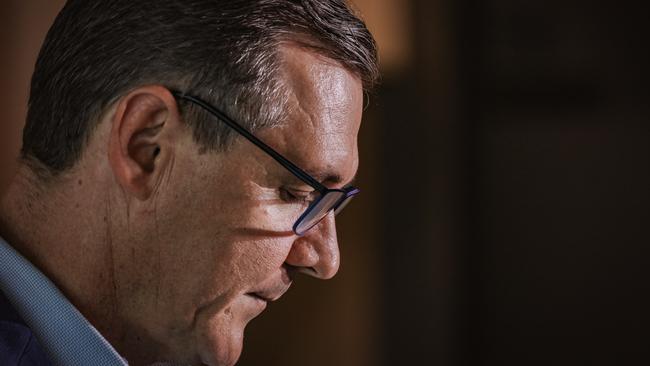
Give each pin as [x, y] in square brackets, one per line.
[63, 332]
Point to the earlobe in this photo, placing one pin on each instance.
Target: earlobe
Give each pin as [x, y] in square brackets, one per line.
[142, 138]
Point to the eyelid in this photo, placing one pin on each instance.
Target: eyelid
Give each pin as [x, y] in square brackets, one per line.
[297, 194]
[300, 188]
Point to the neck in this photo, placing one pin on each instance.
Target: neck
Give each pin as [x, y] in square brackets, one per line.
[79, 231]
[62, 229]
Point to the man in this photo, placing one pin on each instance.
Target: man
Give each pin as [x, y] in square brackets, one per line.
[181, 162]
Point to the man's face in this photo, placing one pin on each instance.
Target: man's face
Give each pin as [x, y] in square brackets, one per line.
[220, 243]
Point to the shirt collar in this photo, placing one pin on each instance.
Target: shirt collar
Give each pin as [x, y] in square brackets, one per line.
[63, 332]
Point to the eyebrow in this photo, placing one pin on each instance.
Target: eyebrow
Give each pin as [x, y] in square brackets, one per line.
[329, 177]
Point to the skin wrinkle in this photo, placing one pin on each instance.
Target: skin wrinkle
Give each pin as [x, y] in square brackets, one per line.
[157, 254]
[213, 304]
[111, 258]
[307, 117]
[330, 84]
[164, 181]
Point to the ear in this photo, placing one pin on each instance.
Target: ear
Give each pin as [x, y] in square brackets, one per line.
[145, 128]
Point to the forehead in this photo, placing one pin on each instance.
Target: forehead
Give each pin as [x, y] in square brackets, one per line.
[323, 114]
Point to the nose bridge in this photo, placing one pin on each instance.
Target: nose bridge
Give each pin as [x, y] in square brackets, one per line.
[322, 238]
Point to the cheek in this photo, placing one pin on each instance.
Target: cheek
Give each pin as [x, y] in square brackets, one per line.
[220, 310]
[223, 241]
[217, 274]
[256, 259]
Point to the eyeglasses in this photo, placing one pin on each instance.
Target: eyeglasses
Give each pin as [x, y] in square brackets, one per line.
[327, 200]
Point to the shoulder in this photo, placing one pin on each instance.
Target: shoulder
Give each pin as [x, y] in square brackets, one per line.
[14, 339]
[18, 346]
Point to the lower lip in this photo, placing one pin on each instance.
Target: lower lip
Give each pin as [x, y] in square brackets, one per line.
[258, 300]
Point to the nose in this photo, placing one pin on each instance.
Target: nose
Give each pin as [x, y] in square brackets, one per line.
[316, 253]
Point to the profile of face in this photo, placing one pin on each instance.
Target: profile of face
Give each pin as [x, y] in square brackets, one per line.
[211, 244]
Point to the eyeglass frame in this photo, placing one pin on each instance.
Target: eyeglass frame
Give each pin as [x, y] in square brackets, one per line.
[347, 192]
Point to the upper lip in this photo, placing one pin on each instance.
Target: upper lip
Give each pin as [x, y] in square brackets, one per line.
[275, 290]
[271, 293]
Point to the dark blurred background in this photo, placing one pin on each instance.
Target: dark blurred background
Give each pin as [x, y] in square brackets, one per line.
[505, 171]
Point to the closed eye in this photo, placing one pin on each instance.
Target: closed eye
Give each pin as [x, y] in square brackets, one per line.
[295, 196]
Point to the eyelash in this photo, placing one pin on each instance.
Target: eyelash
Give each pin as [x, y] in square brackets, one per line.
[288, 196]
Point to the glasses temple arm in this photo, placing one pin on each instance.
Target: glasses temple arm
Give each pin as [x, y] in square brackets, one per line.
[249, 136]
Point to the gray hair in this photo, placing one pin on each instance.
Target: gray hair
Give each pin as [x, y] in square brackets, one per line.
[224, 51]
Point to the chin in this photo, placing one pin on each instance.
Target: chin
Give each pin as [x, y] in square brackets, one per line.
[221, 336]
[223, 351]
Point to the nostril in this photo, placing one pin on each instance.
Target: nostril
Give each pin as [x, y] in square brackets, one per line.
[309, 271]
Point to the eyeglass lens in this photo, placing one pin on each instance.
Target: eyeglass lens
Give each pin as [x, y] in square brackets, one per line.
[318, 211]
[342, 205]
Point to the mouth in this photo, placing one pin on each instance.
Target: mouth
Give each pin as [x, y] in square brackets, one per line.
[270, 294]
[259, 297]
[272, 291]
